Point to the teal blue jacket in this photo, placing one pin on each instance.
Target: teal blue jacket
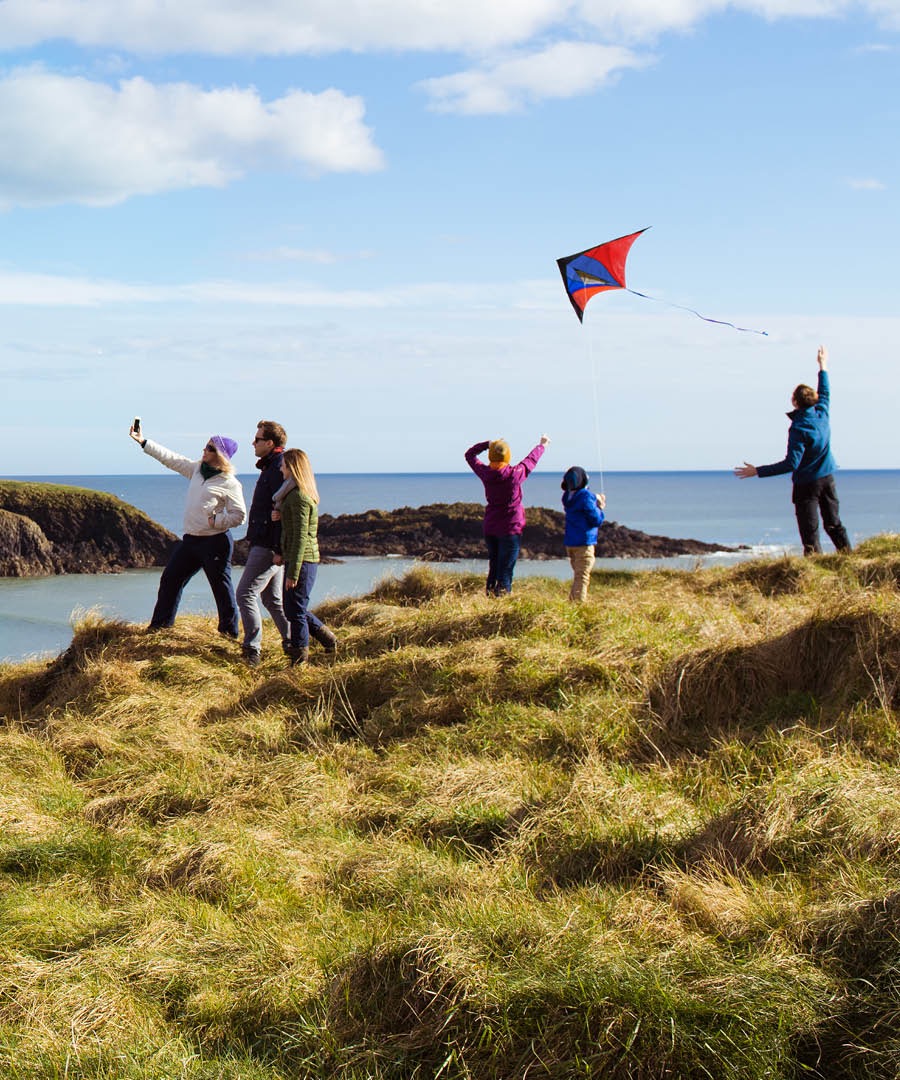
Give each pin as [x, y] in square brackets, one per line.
[808, 455]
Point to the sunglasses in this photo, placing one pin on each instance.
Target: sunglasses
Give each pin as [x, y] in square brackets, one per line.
[262, 440]
[212, 449]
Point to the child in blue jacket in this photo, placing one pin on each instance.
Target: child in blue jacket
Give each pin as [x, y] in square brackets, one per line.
[584, 516]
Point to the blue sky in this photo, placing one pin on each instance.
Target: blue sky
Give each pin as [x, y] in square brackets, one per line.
[346, 218]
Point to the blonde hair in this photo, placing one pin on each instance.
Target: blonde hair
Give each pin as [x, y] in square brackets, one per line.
[220, 462]
[297, 464]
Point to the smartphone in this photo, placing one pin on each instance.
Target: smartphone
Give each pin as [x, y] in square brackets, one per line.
[137, 425]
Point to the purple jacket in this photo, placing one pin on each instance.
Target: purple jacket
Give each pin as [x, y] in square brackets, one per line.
[504, 514]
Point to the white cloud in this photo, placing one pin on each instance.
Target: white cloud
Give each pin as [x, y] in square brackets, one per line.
[560, 71]
[866, 185]
[275, 27]
[48, 290]
[66, 139]
[636, 20]
[23, 289]
[297, 27]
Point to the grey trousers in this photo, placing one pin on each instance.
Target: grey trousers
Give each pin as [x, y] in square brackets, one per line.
[260, 581]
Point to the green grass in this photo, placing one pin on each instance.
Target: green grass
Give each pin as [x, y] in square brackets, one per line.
[655, 835]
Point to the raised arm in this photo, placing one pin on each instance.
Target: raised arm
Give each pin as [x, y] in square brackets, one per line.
[477, 467]
[824, 386]
[530, 460]
[176, 462]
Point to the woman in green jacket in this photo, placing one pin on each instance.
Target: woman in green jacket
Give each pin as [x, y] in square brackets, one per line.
[300, 552]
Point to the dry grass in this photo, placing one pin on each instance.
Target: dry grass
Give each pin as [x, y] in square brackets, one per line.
[650, 836]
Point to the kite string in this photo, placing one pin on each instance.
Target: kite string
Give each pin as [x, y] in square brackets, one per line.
[596, 403]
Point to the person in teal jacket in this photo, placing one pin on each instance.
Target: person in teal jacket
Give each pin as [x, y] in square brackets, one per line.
[811, 464]
[584, 516]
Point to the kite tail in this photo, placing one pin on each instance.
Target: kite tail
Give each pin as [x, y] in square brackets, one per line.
[718, 322]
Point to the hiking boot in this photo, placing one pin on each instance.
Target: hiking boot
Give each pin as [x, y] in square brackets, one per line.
[251, 657]
[297, 655]
[325, 638]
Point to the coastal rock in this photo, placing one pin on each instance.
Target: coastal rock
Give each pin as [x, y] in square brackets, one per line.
[442, 532]
[58, 529]
[24, 550]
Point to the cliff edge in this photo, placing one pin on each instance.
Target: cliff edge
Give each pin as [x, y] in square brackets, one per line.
[58, 529]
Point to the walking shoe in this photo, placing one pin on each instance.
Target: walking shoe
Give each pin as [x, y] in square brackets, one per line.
[250, 657]
[232, 634]
[325, 638]
[297, 655]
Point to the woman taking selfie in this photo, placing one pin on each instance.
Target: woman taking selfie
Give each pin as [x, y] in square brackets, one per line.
[215, 504]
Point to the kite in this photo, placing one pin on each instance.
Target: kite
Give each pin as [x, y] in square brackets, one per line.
[599, 269]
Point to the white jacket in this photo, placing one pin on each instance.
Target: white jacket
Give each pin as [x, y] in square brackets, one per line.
[220, 497]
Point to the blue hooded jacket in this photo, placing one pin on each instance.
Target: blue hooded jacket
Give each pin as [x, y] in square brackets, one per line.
[583, 516]
[809, 442]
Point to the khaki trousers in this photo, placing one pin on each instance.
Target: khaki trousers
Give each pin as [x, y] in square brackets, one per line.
[582, 560]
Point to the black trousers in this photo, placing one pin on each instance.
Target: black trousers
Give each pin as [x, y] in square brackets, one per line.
[811, 499]
[212, 555]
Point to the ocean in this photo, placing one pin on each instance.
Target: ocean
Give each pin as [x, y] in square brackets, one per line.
[36, 614]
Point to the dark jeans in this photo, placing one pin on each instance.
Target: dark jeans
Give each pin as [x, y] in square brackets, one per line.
[502, 554]
[212, 555]
[296, 607]
[809, 499]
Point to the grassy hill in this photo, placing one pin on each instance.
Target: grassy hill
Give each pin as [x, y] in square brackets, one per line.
[653, 836]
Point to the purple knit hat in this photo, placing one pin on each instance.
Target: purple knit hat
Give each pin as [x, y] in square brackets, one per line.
[226, 447]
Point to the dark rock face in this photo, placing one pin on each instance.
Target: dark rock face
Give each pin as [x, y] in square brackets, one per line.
[442, 532]
[57, 529]
[24, 550]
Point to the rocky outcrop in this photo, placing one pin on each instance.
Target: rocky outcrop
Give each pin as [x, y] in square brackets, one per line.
[24, 550]
[443, 532]
[57, 529]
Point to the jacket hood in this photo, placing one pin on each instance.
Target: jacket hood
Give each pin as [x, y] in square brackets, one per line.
[575, 479]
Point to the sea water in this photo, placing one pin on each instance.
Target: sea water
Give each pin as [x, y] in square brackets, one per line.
[36, 614]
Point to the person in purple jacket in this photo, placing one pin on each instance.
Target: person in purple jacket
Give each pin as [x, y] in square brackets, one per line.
[504, 515]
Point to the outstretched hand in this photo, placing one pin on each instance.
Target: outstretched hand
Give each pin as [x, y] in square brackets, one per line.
[822, 358]
[745, 471]
[545, 440]
[136, 435]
